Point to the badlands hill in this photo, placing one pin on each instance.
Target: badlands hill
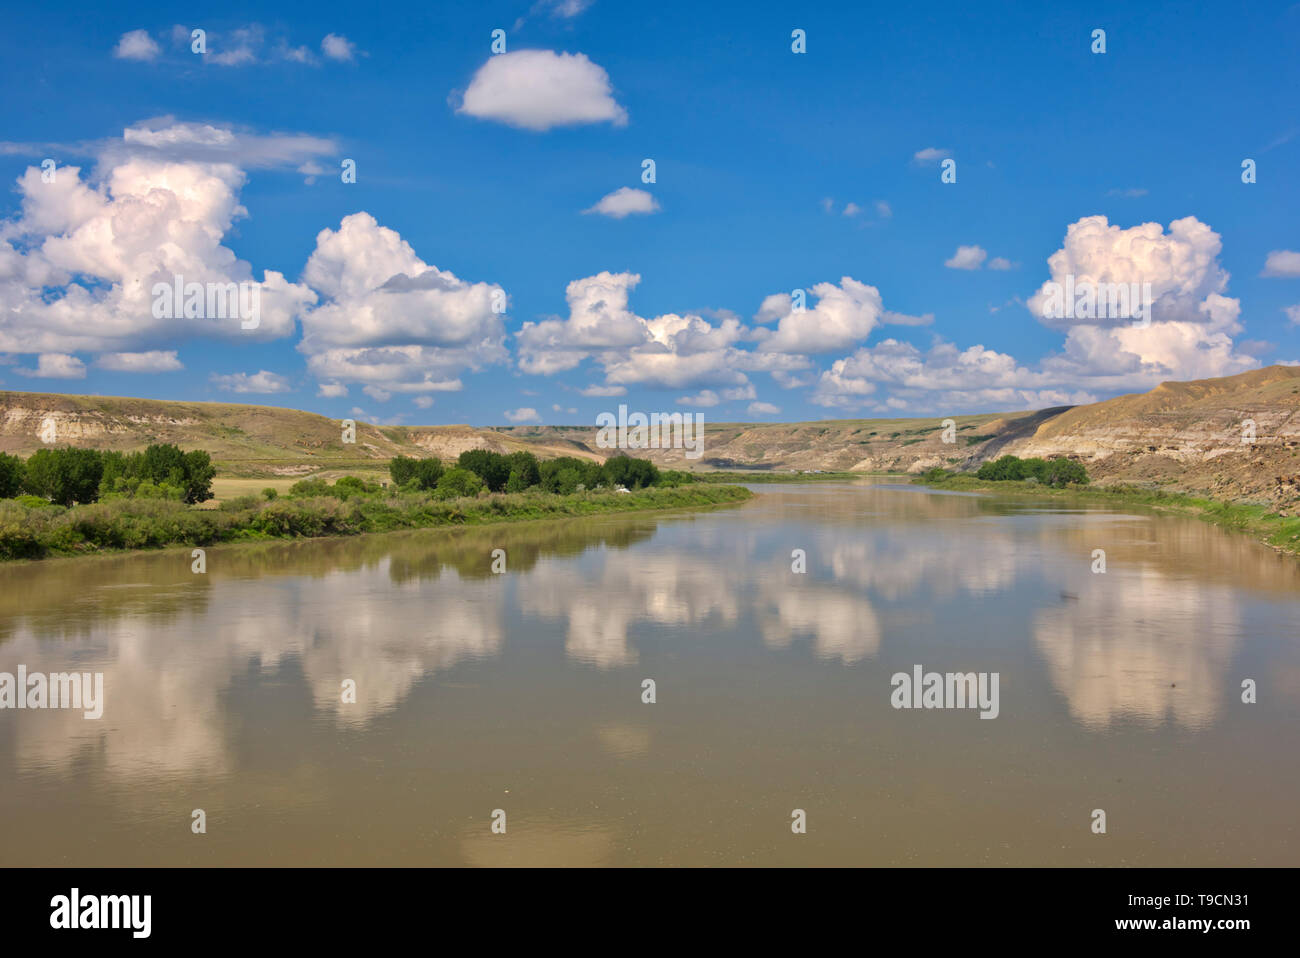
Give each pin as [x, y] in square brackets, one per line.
[243, 440]
[1186, 436]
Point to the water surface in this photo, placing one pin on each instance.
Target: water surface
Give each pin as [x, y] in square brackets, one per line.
[523, 692]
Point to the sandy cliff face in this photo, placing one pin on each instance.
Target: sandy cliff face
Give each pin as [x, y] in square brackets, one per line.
[1233, 437]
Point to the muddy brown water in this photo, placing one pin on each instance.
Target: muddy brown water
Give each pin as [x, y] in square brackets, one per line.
[523, 692]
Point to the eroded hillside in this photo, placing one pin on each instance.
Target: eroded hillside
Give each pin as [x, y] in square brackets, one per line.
[1185, 436]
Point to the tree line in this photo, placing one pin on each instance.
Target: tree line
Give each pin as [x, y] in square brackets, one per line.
[75, 476]
[478, 469]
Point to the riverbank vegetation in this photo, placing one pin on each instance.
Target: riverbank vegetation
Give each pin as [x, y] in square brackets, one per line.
[71, 503]
[1259, 520]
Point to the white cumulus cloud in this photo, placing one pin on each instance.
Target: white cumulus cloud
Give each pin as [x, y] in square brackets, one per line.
[390, 320]
[1282, 262]
[624, 201]
[966, 257]
[153, 361]
[541, 89]
[523, 414]
[137, 45]
[263, 382]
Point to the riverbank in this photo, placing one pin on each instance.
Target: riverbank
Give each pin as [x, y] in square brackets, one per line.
[36, 532]
[1280, 532]
[738, 475]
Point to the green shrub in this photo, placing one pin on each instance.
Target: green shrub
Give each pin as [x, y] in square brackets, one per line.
[1064, 472]
[348, 487]
[308, 488]
[1050, 472]
[458, 482]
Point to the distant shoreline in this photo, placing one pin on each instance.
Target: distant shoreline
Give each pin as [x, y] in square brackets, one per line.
[1278, 532]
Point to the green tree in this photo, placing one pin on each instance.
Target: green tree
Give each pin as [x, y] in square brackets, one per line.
[428, 472]
[415, 473]
[526, 466]
[198, 471]
[631, 473]
[401, 469]
[492, 467]
[64, 476]
[12, 473]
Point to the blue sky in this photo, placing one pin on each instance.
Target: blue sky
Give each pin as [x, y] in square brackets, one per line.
[483, 170]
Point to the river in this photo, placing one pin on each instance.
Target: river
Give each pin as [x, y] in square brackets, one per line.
[518, 698]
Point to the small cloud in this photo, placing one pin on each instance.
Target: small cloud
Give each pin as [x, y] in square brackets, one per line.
[903, 319]
[565, 9]
[294, 54]
[1284, 138]
[604, 391]
[1293, 314]
[828, 204]
[930, 155]
[884, 210]
[332, 390]
[853, 209]
[762, 409]
[1013, 301]
[244, 42]
[310, 170]
[625, 201]
[55, 366]
[377, 393]
[263, 381]
[338, 48]
[540, 89]
[966, 257]
[154, 361]
[1002, 263]
[558, 10]
[556, 407]
[423, 402]
[1131, 194]
[523, 414]
[137, 45]
[234, 58]
[705, 398]
[1282, 262]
